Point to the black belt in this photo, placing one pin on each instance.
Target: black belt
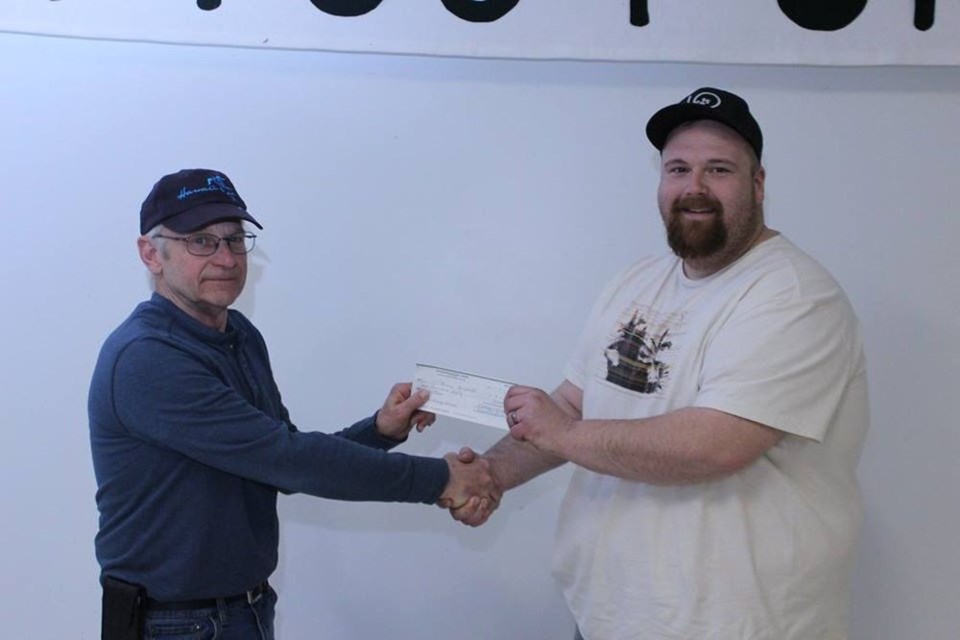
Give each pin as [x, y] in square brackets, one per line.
[250, 596]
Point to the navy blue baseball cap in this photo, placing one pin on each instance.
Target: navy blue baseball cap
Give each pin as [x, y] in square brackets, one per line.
[707, 103]
[191, 199]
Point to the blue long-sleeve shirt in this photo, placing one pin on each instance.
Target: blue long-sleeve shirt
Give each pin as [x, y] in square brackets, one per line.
[191, 442]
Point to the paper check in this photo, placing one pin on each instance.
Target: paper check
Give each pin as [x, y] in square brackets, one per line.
[463, 395]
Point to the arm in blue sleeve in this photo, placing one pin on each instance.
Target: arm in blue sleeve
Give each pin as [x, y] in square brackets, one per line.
[190, 410]
[365, 432]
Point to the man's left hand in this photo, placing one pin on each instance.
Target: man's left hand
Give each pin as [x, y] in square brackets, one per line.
[400, 412]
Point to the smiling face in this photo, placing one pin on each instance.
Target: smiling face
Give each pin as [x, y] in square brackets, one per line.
[710, 196]
[203, 287]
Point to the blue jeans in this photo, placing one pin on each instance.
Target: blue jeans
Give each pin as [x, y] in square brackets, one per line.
[234, 621]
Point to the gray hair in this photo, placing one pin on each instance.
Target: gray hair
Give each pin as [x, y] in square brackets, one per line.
[152, 236]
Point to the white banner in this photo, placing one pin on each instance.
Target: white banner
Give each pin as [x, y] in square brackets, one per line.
[817, 32]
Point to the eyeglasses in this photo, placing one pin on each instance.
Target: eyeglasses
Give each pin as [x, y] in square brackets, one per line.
[206, 244]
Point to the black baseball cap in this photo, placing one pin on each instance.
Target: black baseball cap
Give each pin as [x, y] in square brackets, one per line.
[191, 199]
[706, 103]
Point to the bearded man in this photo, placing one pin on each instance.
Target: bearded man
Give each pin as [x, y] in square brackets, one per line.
[714, 409]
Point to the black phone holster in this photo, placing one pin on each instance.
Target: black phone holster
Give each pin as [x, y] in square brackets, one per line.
[123, 607]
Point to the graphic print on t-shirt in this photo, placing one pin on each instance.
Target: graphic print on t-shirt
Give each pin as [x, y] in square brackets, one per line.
[633, 354]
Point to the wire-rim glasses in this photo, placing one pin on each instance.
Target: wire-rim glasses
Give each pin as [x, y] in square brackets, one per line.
[204, 245]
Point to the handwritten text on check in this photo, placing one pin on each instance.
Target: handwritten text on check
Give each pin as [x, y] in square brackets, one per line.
[463, 395]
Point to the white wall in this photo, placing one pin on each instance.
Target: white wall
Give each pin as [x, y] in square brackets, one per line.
[462, 213]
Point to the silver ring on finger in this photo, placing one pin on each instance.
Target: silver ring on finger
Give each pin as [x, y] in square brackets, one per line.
[513, 418]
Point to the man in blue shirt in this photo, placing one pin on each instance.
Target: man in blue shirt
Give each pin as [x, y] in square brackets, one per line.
[191, 441]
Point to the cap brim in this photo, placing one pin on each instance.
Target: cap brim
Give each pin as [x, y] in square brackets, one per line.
[205, 215]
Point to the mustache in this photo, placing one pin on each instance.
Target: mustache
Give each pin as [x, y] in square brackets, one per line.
[696, 202]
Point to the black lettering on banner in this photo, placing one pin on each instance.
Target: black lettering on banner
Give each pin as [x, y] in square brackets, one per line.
[639, 14]
[480, 11]
[822, 15]
[816, 15]
[923, 14]
[346, 8]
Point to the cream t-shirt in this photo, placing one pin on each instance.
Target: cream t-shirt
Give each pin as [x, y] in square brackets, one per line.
[764, 554]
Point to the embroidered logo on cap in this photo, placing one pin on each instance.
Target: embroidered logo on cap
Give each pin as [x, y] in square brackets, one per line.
[705, 99]
[214, 183]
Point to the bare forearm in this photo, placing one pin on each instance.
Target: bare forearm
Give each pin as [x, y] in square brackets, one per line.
[617, 448]
[682, 447]
[513, 462]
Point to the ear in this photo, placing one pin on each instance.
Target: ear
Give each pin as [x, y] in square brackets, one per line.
[759, 178]
[149, 255]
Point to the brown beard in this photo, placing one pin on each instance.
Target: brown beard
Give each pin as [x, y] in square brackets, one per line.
[699, 239]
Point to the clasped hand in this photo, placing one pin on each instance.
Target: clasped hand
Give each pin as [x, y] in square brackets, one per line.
[473, 492]
[471, 484]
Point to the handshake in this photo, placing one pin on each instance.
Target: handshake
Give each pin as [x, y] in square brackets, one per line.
[477, 482]
[473, 492]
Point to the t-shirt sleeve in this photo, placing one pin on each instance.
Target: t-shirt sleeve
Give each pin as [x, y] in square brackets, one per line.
[784, 356]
